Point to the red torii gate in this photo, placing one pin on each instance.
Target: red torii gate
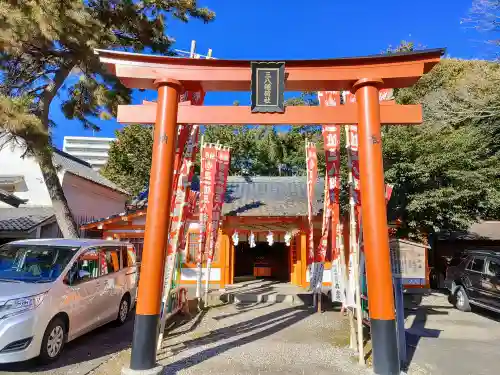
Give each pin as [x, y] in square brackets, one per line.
[363, 76]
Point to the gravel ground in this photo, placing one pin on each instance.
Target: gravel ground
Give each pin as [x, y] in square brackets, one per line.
[284, 339]
[263, 339]
[256, 339]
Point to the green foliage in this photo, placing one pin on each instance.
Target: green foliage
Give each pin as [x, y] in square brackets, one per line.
[446, 171]
[265, 151]
[130, 158]
[44, 42]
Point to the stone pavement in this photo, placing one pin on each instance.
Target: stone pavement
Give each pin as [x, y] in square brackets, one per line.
[286, 339]
[257, 339]
[445, 341]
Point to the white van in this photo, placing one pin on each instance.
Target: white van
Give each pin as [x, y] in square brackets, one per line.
[54, 290]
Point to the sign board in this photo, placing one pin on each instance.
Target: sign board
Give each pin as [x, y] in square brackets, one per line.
[268, 86]
[409, 260]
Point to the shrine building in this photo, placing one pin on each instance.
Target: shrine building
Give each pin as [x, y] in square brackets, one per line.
[258, 205]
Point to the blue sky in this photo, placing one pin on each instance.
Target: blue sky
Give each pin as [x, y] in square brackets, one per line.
[293, 29]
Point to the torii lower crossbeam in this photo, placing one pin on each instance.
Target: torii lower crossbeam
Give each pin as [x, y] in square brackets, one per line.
[221, 115]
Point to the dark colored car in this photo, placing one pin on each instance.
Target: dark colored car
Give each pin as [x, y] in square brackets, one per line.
[474, 279]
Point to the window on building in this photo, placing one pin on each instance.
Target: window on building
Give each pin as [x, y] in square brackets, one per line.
[193, 245]
[13, 184]
[193, 240]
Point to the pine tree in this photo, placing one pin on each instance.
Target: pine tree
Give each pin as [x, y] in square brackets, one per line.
[43, 42]
[130, 158]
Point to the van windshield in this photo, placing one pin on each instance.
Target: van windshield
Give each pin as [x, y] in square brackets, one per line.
[33, 263]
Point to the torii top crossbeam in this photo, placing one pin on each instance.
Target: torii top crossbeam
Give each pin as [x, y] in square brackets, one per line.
[393, 71]
[396, 70]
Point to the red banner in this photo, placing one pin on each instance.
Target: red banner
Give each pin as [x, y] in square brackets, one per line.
[185, 176]
[189, 198]
[312, 177]
[208, 166]
[188, 211]
[331, 140]
[222, 171]
[183, 133]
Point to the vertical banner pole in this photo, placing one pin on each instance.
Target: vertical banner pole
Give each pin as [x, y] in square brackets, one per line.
[312, 176]
[199, 254]
[354, 249]
[354, 344]
[180, 216]
[400, 320]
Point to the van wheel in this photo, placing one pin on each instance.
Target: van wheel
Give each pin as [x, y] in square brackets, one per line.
[53, 341]
[123, 311]
[461, 299]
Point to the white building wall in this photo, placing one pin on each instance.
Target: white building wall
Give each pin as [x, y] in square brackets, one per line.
[11, 164]
[88, 200]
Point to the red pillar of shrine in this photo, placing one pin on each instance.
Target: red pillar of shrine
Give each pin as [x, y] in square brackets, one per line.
[156, 231]
[375, 235]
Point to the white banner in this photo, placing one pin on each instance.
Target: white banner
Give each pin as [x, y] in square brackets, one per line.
[338, 279]
[338, 287]
[316, 281]
[351, 284]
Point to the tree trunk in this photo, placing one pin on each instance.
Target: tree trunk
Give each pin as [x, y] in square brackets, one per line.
[63, 214]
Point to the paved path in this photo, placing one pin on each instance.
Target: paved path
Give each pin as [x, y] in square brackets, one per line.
[447, 341]
[280, 338]
[257, 339]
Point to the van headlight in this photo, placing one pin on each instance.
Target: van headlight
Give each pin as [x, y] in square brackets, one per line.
[20, 305]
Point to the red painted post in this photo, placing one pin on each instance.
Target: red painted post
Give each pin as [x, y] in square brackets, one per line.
[375, 233]
[156, 231]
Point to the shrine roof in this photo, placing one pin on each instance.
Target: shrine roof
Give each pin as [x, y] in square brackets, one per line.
[249, 196]
[260, 196]
[270, 196]
[402, 69]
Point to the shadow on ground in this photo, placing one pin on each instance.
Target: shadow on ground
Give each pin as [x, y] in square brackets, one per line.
[417, 329]
[256, 328]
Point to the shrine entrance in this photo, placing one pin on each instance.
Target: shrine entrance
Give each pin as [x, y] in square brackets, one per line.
[264, 261]
[362, 76]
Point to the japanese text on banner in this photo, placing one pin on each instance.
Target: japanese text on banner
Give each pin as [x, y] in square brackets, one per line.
[222, 170]
[208, 167]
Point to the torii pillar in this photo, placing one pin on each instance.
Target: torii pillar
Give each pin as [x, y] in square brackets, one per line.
[364, 76]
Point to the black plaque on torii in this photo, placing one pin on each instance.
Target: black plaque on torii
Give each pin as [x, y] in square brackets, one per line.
[268, 87]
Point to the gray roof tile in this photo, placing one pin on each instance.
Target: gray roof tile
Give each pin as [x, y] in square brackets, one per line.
[270, 196]
[82, 169]
[260, 196]
[254, 196]
[23, 219]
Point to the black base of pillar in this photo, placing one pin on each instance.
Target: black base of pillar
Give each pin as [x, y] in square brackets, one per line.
[144, 342]
[384, 347]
